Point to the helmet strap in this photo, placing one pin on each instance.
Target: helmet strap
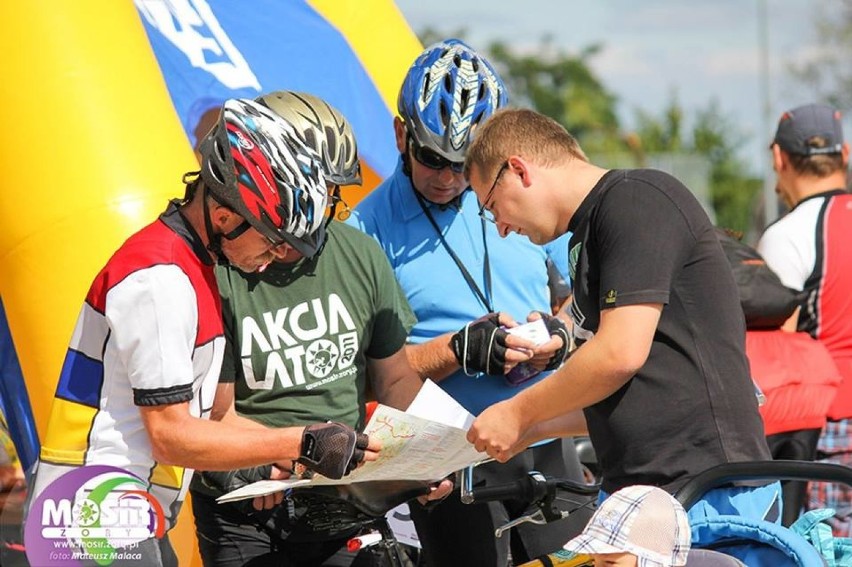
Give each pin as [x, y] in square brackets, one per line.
[243, 226]
[214, 240]
[406, 155]
[335, 198]
[406, 164]
[191, 179]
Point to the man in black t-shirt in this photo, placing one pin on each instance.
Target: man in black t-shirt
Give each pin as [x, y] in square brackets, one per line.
[660, 372]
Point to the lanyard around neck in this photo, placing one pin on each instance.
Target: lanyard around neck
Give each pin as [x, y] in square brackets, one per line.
[485, 298]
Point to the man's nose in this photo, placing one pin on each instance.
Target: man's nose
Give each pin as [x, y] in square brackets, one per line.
[446, 175]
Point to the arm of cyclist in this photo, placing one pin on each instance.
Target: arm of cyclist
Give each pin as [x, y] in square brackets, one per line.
[571, 424]
[395, 383]
[365, 449]
[178, 438]
[596, 370]
[331, 449]
[480, 346]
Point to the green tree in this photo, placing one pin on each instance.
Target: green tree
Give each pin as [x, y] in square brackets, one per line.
[830, 73]
[714, 136]
[734, 191]
[564, 87]
[661, 134]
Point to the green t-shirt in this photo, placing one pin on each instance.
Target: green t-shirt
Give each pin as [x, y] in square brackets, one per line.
[298, 334]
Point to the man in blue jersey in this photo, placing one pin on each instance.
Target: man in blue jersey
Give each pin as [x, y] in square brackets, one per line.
[465, 283]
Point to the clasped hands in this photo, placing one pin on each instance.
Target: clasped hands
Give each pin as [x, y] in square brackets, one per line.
[485, 345]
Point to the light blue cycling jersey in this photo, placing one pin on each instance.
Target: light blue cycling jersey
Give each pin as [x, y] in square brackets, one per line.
[438, 293]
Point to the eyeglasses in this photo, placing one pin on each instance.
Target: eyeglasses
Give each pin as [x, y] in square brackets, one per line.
[484, 213]
[434, 160]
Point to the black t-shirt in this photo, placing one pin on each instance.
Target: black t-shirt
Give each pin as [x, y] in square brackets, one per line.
[640, 236]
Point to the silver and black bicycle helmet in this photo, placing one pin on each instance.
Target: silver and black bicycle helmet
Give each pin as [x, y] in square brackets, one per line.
[323, 128]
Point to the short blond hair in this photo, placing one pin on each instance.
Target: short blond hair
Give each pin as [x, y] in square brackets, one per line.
[524, 132]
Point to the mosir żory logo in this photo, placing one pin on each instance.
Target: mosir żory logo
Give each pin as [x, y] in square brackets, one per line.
[92, 514]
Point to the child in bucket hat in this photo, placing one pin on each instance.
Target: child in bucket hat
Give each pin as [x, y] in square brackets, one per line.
[638, 521]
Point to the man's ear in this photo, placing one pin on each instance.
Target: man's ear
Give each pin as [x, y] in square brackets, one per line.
[400, 134]
[778, 158]
[521, 168]
[223, 218]
[844, 151]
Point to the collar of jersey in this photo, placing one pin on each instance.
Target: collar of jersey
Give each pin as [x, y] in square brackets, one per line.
[175, 221]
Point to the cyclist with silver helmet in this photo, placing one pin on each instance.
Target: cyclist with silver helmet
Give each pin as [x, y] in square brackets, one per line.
[141, 371]
[307, 339]
[458, 273]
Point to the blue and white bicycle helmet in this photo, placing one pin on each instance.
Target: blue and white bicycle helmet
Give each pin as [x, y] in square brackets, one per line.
[254, 162]
[447, 92]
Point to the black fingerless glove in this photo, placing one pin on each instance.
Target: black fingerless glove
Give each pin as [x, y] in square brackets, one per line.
[332, 449]
[480, 346]
[556, 327]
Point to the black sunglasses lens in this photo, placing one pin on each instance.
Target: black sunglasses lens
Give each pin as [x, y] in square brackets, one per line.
[433, 160]
[430, 159]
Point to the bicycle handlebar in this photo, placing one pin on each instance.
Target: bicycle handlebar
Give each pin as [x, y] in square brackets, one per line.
[532, 488]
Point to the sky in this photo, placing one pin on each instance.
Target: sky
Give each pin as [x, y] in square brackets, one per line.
[700, 50]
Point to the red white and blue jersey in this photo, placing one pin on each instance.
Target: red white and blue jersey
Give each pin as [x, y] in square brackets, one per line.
[809, 248]
[150, 333]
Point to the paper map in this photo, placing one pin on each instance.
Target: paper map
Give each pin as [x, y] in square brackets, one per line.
[413, 447]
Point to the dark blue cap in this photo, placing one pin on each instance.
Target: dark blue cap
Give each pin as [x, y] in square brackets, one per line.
[798, 128]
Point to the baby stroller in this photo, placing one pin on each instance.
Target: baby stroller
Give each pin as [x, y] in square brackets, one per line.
[717, 541]
[763, 543]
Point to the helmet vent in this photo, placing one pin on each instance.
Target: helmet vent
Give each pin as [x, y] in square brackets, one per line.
[331, 138]
[465, 100]
[445, 115]
[448, 83]
[217, 147]
[311, 139]
[457, 60]
[482, 91]
[216, 172]
[252, 111]
[475, 64]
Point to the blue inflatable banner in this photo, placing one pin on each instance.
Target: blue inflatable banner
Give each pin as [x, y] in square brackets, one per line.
[211, 50]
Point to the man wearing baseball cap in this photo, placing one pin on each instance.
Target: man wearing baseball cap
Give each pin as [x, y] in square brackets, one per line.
[809, 248]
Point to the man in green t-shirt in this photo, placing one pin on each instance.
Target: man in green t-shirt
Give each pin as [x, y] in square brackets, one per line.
[310, 338]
